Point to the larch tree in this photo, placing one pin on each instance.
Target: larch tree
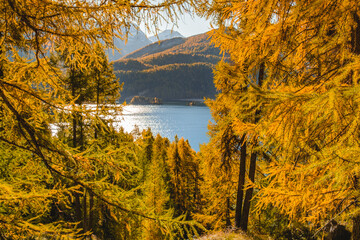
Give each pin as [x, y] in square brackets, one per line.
[33, 96]
[183, 167]
[183, 184]
[303, 118]
[145, 142]
[219, 178]
[156, 188]
[106, 88]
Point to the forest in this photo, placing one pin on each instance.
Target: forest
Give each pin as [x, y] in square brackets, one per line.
[173, 81]
[283, 159]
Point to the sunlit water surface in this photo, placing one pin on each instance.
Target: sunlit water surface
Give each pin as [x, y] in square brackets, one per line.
[189, 122]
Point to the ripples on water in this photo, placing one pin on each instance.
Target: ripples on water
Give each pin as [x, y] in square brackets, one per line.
[169, 120]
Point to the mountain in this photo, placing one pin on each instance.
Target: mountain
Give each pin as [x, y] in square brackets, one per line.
[178, 68]
[136, 40]
[167, 34]
[156, 47]
[195, 45]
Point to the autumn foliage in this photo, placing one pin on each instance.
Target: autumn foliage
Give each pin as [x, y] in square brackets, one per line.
[284, 145]
[291, 92]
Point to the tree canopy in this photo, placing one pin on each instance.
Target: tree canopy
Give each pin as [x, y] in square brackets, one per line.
[301, 119]
[43, 176]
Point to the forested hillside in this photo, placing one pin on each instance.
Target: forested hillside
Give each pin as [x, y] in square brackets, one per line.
[172, 69]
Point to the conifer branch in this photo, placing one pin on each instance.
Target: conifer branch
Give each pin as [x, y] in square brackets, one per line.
[37, 150]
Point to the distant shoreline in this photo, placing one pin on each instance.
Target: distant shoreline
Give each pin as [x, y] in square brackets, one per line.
[182, 102]
[142, 100]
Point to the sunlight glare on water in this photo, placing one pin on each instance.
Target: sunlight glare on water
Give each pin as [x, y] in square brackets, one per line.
[169, 120]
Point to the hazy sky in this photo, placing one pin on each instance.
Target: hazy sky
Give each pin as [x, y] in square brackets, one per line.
[187, 26]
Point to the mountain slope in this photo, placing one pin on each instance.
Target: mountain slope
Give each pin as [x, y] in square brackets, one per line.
[167, 34]
[179, 68]
[199, 44]
[156, 47]
[136, 40]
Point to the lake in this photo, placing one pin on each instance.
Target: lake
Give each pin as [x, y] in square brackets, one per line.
[189, 122]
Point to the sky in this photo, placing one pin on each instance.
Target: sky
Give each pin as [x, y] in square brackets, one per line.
[187, 26]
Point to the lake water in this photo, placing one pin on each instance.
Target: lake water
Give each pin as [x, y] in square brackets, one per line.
[189, 122]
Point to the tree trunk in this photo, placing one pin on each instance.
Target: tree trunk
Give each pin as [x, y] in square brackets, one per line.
[78, 214]
[81, 137]
[253, 158]
[355, 43]
[85, 218]
[227, 216]
[74, 131]
[356, 228]
[246, 209]
[241, 183]
[74, 126]
[97, 105]
[91, 211]
[355, 34]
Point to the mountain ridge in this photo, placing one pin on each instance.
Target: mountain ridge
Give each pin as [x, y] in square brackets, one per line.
[136, 39]
[164, 35]
[197, 44]
[155, 47]
[178, 68]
